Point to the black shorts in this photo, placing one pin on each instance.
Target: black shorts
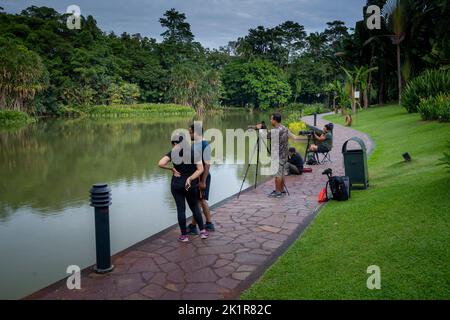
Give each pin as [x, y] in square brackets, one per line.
[205, 193]
[322, 149]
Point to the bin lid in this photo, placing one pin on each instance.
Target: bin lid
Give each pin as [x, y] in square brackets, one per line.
[358, 140]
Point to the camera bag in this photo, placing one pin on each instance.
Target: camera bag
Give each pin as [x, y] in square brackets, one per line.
[340, 188]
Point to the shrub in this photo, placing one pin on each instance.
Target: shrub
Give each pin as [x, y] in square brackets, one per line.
[10, 118]
[145, 109]
[428, 84]
[435, 108]
[297, 126]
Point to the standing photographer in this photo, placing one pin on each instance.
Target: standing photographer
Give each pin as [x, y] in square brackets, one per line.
[280, 144]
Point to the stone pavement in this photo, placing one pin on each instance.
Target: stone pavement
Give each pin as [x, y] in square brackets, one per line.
[252, 232]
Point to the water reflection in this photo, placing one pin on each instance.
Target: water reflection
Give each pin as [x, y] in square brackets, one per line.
[47, 169]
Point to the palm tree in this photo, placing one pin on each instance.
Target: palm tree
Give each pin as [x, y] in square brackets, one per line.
[22, 76]
[357, 78]
[395, 15]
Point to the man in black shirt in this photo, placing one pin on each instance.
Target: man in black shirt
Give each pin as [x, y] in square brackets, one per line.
[295, 162]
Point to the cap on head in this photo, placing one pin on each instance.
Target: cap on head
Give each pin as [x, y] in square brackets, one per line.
[176, 138]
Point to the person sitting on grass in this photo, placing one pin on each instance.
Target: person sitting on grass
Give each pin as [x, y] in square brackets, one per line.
[295, 162]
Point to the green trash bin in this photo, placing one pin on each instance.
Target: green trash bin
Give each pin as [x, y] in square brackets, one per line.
[355, 164]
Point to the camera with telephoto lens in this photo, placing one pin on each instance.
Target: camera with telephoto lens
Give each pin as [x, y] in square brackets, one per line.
[306, 132]
[328, 172]
[263, 126]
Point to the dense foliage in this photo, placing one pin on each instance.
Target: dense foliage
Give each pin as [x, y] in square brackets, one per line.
[435, 108]
[10, 118]
[47, 67]
[429, 84]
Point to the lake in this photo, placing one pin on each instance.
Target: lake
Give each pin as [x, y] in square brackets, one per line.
[47, 169]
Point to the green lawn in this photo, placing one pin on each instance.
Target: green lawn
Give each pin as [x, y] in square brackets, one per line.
[401, 223]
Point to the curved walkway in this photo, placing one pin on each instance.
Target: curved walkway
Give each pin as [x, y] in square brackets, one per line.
[252, 232]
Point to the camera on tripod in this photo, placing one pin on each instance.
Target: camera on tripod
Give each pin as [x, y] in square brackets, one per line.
[328, 172]
[255, 127]
[308, 133]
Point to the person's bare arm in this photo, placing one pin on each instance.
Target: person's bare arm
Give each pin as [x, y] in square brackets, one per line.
[164, 164]
[320, 138]
[195, 175]
[295, 137]
[204, 175]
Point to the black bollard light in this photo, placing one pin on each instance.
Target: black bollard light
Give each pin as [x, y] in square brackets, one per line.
[315, 119]
[101, 200]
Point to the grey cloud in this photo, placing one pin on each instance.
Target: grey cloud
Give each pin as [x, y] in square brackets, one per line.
[213, 22]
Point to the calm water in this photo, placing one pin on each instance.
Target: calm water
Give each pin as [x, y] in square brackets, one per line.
[46, 171]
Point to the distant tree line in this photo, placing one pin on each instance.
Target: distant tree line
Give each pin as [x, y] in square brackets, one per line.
[44, 65]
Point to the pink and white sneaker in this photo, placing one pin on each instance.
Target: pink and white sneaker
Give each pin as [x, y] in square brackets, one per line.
[204, 234]
[183, 238]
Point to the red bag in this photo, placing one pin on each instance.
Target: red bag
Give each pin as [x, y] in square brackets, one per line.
[323, 195]
[307, 169]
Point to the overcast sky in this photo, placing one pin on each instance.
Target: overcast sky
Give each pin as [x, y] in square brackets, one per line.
[213, 22]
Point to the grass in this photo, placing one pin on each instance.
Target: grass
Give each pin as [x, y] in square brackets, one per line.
[401, 223]
[13, 119]
[138, 110]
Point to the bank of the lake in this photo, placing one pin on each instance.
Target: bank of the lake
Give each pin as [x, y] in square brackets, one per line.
[10, 119]
[48, 167]
[17, 119]
[400, 223]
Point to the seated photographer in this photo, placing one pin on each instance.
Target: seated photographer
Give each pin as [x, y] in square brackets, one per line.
[295, 162]
[325, 140]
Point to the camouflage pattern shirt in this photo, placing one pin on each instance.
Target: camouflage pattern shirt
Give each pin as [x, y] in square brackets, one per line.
[280, 139]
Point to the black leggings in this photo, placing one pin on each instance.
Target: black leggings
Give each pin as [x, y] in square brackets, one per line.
[181, 196]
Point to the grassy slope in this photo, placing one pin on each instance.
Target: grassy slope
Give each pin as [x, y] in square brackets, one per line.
[401, 223]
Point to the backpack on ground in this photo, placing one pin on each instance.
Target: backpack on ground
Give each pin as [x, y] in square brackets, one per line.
[340, 188]
[311, 159]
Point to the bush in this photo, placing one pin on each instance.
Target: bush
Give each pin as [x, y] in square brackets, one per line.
[428, 84]
[9, 118]
[297, 126]
[435, 108]
[144, 109]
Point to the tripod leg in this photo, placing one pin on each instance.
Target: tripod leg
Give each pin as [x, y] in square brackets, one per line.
[284, 184]
[246, 171]
[257, 161]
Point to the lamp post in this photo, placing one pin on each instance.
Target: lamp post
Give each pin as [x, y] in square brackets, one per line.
[101, 200]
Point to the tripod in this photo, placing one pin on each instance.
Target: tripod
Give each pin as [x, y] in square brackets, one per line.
[310, 139]
[257, 150]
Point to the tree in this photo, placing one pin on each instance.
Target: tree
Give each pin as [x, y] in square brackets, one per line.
[256, 83]
[178, 30]
[357, 78]
[22, 76]
[194, 86]
[396, 21]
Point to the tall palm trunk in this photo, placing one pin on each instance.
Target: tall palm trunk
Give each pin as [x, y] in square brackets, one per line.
[352, 92]
[399, 74]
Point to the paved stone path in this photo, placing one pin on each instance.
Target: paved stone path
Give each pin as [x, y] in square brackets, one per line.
[252, 232]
